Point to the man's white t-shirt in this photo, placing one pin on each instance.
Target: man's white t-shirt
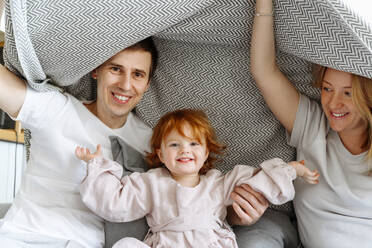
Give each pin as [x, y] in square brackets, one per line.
[48, 202]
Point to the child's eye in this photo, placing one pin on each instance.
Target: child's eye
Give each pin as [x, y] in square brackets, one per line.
[194, 143]
[173, 144]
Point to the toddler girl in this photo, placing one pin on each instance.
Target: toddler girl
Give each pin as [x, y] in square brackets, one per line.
[183, 198]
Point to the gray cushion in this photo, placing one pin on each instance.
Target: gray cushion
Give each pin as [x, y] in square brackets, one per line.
[3, 209]
[132, 161]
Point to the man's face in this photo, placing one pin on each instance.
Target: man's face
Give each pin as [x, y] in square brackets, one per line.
[121, 83]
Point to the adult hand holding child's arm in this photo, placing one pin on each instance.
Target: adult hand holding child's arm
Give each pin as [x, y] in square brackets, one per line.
[248, 206]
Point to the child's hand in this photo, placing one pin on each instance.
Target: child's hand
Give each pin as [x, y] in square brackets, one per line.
[84, 153]
[304, 172]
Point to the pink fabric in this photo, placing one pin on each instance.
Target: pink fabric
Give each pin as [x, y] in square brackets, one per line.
[193, 217]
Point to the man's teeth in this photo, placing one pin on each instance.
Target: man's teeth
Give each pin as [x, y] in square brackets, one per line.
[338, 115]
[121, 98]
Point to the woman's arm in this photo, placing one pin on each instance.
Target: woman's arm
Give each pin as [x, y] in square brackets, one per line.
[12, 92]
[280, 95]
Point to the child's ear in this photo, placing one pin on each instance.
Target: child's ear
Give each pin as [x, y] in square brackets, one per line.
[206, 154]
[160, 155]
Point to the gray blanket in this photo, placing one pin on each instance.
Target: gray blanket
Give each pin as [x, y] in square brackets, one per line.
[204, 56]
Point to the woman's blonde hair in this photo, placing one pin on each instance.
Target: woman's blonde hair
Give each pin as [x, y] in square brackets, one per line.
[361, 96]
[177, 120]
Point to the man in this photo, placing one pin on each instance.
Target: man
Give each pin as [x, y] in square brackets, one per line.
[47, 209]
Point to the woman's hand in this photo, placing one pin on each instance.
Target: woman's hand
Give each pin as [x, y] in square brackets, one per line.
[248, 206]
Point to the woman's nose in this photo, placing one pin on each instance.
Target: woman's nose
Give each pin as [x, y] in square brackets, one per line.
[336, 101]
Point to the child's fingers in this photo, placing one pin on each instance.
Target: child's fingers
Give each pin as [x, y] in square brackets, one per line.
[312, 181]
[78, 152]
[99, 150]
[313, 173]
[313, 178]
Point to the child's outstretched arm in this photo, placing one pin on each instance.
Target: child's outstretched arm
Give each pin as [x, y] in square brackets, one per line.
[85, 154]
[304, 172]
[107, 193]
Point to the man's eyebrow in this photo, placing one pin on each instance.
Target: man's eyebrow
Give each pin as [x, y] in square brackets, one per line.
[121, 66]
[114, 64]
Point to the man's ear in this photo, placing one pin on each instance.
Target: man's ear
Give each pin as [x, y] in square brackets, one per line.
[94, 74]
[148, 84]
[160, 155]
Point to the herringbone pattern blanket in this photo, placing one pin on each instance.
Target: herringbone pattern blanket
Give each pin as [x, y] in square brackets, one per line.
[204, 56]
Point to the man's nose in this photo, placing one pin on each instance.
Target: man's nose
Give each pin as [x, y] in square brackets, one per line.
[125, 82]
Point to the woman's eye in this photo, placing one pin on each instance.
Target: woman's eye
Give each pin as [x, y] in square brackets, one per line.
[348, 93]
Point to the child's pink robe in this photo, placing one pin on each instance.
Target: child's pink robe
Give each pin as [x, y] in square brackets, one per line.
[180, 216]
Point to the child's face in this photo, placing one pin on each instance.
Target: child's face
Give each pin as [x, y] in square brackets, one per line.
[183, 156]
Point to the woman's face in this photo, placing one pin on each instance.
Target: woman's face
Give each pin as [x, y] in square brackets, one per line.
[336, 98]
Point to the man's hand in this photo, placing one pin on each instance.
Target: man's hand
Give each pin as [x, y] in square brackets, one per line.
[84, 153]
[248, 206]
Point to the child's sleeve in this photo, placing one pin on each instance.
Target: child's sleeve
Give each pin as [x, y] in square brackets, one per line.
[114, 198]
[274, 180]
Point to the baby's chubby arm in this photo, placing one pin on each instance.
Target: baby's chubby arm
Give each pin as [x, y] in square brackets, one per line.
[304, 172]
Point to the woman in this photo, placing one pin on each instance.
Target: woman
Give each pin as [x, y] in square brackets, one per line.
[334, 138]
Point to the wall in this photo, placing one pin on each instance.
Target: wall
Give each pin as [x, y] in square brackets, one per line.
[12, 161]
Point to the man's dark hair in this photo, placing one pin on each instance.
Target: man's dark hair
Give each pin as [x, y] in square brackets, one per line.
[148, 45]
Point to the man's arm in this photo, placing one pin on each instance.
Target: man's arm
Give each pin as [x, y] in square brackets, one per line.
[12, 92]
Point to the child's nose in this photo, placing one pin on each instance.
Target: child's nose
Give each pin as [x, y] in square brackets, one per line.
[185, 149]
